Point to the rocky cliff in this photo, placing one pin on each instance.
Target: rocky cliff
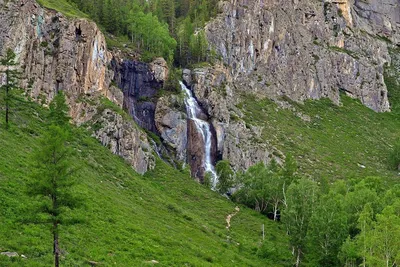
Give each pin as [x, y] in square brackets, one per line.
[308, 49]
[297, 49]
[58, 53]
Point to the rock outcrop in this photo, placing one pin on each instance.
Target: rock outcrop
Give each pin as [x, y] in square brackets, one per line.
[56, 53]
[140, 83]
[171, 123]
[308, 49]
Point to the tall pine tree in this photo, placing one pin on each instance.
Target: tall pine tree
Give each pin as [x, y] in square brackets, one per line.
[8, 68]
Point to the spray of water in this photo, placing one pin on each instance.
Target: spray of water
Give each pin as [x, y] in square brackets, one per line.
[203, 127]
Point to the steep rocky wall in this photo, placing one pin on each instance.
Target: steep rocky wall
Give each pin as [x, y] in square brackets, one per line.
[140, 83]
[56, 53]
[307, 49]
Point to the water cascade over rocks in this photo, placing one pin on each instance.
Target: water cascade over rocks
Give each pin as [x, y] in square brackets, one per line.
[200, 167]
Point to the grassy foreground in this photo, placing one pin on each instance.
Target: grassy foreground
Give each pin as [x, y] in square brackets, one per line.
[126, 219]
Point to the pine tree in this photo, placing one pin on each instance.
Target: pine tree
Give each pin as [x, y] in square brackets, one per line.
[59, 111]
[11, 80]
[53, 173]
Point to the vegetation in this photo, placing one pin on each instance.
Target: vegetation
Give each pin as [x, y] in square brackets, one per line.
[337, 142]
[154, 28]
[125, 219]
[52, 181]
[11, 81]
[335, 224]
[225, 176]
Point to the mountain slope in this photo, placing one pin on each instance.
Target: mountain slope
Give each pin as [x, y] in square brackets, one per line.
[126, 219]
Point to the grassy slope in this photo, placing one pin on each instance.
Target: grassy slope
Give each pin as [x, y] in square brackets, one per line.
[64, 7]
[336, 141]
[127, 219]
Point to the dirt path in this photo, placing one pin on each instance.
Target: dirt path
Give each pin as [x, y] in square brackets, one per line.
[229, 217]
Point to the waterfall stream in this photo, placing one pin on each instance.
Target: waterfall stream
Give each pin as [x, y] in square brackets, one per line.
[203, 127]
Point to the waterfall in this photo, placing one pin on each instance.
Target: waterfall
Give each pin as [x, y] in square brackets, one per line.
[203, 127]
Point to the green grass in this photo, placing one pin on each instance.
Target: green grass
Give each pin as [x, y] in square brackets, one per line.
[335, 143]
[126, 219]
[64, 7]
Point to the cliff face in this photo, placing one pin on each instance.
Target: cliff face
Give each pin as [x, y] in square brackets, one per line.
[308, 49]
[299, 49]
[56, 53]
[140, 83]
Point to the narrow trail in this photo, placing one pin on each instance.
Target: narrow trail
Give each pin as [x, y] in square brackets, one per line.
[229, 217]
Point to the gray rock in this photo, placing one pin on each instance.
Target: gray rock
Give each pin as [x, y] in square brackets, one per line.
[56, 53]
[307, 50]
[125, 139]
[171, 123]
[9, 254]
[186, 76]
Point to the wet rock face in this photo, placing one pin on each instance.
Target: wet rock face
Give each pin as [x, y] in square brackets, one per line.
[195, 152]
[307, 49]
[139, 85]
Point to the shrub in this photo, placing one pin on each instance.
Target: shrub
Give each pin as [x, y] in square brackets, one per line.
[394, 157]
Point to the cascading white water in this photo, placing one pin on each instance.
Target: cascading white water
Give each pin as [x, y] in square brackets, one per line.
[203, 127]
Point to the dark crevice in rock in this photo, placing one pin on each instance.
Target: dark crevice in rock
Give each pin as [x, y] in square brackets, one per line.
[140, 88]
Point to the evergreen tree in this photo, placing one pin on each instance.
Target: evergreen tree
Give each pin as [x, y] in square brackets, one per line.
[52, 179]
[59, 111]
[11, 79]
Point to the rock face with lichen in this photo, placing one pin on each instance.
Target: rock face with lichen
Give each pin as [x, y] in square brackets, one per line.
[298, 49]
[57, 53]
[308, 49]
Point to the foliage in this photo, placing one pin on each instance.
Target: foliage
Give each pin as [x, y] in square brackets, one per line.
[52, 179]
[301, 200]
[338, 142]
[394, 156]
[327, 230]
[59, 110]
[263, 187]
[128, 219]
[11, 81]
[156, 28]
[225, 176]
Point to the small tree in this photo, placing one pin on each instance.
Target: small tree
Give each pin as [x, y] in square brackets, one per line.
[394, 157]
[225, 176]
[53, 175]
[302, 196]
[11, 78]
[59, 111]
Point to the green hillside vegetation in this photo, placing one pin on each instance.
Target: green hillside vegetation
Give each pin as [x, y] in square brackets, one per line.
[339, 142]
[172, 29]
[125, 219]
[64, 7]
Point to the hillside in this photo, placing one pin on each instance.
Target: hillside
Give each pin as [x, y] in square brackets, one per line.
[290, 108]
[126, 219]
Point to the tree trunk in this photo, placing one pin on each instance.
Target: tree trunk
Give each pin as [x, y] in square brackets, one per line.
[298, 257]
[56, 249]
[7, 98]
[275, 211]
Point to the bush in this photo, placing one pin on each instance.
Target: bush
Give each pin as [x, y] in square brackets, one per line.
[394, 157]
